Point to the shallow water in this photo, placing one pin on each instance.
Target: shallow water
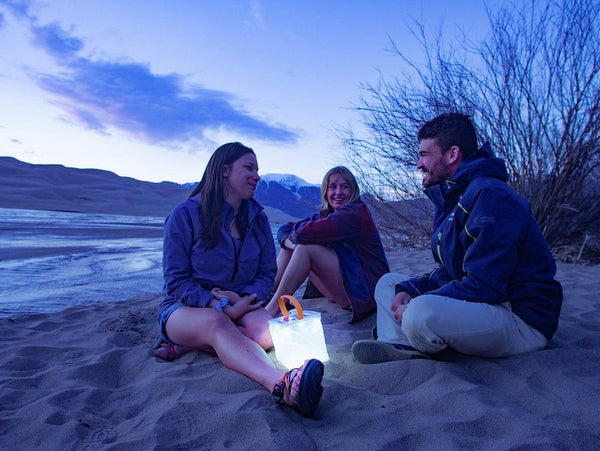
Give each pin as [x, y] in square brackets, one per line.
[53, 260]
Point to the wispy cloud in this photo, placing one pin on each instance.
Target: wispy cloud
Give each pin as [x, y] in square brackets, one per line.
[158, 108]
[256, 10]
[56, 41]
[19, 8]
[100, 95]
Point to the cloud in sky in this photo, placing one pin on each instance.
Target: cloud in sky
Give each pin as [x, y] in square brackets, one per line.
[56, 41]
[19, 8]
[256, 10]
[155, 108]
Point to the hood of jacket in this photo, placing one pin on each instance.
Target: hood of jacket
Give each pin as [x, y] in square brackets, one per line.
[481, 163]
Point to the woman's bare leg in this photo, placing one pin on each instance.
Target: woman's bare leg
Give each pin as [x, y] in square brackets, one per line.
[255, 326]
[206, 329]
[322, 287]
[317, 259]
[283, 259]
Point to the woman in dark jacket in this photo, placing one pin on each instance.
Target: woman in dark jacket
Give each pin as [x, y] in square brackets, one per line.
[339, 249]
[219, 264]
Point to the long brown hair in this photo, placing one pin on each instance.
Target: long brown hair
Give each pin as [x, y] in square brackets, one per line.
[348, 176]
[212, 189]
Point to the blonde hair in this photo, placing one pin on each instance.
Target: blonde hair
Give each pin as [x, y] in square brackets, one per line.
[348, 176]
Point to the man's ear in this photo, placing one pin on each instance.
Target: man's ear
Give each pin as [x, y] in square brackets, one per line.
[453, 154]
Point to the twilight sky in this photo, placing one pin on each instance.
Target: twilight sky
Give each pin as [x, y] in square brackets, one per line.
[148, 89]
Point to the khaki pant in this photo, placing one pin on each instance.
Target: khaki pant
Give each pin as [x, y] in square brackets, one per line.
[431, 323]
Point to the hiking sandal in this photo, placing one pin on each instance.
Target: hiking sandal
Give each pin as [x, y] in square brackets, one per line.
[301, 387]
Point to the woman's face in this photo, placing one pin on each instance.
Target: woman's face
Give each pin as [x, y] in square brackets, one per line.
[339, 191]
[241, 178]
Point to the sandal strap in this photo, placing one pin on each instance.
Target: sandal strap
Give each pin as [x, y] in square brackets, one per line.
[169, 350]
[283, 388]
[277, 392]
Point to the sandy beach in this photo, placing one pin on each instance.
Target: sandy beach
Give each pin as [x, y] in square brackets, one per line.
[85, 378]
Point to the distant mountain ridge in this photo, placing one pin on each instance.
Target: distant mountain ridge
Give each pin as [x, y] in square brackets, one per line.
[289, 193]
[290, 181]
[56, 187]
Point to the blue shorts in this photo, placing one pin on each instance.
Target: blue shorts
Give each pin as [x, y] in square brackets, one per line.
[164, 316]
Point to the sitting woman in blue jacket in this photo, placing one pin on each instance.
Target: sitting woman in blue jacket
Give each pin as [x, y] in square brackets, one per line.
[219, 265]
[339, 249]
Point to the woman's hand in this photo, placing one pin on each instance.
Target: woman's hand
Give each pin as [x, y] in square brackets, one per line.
[289, 244]
[243, 306]
[238, 305]
[233, 297]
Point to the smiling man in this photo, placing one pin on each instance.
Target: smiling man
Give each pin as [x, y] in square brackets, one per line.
[493, 293]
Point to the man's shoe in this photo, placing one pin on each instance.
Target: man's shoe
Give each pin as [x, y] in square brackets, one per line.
[373, 351]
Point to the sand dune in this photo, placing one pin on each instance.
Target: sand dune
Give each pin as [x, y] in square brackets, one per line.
[84, 378]
[56, 187]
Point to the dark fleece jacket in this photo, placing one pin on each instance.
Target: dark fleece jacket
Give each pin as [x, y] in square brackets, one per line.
[489, 246]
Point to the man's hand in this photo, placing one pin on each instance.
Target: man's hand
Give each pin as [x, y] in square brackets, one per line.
[399, 305]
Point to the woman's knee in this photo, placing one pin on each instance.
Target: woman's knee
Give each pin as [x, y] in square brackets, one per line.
[196, 327]
[258, 334]
[299, 249]
[214, 324]
[220, 322]
[255, 326]
[313, 251]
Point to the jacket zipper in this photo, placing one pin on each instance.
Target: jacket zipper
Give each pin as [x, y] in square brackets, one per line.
[236, 255]
[239, 251]
[439, 247]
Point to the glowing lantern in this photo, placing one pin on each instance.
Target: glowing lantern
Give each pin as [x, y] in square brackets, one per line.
[297, 335]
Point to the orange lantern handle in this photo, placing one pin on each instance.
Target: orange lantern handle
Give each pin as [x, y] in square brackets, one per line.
[294, 301]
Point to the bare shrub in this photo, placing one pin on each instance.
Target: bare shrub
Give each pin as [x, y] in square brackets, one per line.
[532, 88]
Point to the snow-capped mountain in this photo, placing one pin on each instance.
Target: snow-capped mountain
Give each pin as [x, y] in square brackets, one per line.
[286, 192]
[289, 193]
[290, 181]
[55, 187]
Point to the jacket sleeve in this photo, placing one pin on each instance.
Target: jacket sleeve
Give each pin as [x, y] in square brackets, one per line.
[177, 247]
[494, 226]
[343, 224]
[267, 266]
[285, 231]
[425, 283]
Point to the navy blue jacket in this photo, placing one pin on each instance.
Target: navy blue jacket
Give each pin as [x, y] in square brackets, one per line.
[489, 246]
[191, 270]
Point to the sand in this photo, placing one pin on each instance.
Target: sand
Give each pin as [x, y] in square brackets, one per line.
[84, 378]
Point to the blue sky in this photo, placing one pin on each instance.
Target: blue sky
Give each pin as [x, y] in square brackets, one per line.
[148, 89]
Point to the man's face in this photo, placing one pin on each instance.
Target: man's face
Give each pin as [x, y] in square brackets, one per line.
[434, 164]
